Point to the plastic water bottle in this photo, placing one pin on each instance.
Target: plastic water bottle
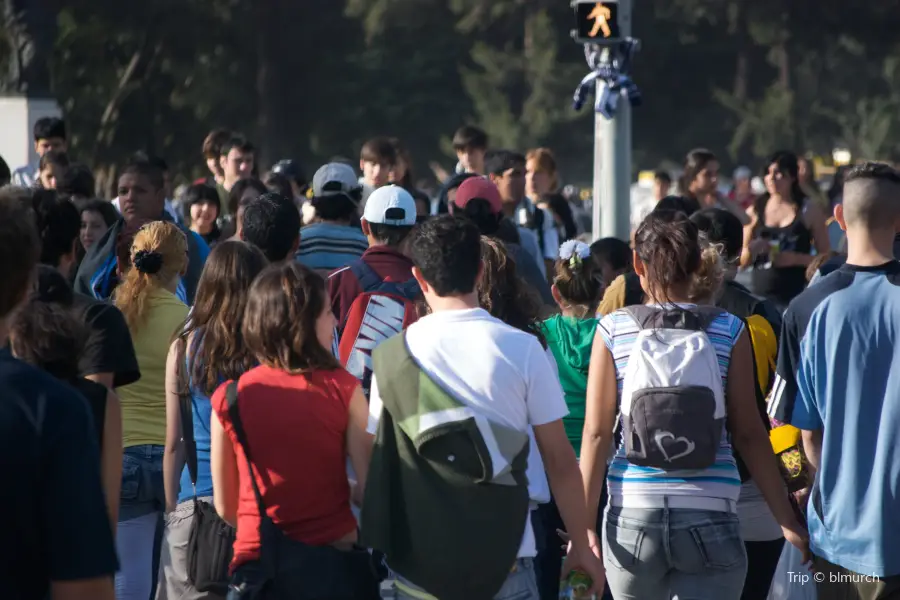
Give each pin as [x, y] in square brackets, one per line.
[576, 587]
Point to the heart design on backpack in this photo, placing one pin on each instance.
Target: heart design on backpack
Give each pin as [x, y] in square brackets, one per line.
[663, 435]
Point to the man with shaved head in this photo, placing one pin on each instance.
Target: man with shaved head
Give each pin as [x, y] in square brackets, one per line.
[839, 342]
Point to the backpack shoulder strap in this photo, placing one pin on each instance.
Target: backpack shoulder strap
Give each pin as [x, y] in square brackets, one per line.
[366, 275]
[186, 410]
[758, 388]
[391, 362]
[234, 413]
[642, 315]
[539, 226]
[698, 318]
[409, 289]
[634, 293]
[706, 315]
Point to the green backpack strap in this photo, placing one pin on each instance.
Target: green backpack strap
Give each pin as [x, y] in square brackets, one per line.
[397, 376]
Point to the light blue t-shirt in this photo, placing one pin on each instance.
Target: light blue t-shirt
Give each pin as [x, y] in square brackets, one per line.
[848, 384]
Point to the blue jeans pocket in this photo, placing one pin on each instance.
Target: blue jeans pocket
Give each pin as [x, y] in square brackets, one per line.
[142, 477]
[131, 478]
[719, 544]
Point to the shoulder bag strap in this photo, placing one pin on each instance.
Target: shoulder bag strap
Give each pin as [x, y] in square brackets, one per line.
[366, 276]
[234, 413]
[187, 413]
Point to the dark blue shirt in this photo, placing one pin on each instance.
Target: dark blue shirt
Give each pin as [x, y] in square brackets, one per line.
[836, 373]
[57, 527]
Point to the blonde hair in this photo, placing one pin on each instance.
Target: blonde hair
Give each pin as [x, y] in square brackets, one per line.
[709, 277]
[156, 257]
[544, 162]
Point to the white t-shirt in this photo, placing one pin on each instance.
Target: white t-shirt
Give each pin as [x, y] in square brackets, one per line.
[488, 365]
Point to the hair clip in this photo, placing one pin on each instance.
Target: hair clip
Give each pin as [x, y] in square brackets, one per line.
[575, 252]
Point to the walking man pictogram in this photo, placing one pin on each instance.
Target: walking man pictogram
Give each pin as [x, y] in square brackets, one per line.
[601, 15]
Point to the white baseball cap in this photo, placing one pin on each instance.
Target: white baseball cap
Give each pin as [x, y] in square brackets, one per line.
[390, 205]
[334, 179]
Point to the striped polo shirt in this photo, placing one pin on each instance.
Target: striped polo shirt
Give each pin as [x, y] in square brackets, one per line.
[328, 246]
[720, 480]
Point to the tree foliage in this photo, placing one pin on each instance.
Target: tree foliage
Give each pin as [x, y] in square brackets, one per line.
[314, 79]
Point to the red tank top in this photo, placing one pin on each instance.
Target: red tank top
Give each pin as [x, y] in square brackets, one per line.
[296, 427]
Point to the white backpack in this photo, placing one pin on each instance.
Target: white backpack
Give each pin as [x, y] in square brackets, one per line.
[673, 404]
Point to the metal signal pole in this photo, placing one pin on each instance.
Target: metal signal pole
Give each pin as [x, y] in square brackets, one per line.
[612, 159]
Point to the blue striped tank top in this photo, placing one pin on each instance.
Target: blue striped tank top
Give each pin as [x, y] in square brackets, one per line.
[721, 479]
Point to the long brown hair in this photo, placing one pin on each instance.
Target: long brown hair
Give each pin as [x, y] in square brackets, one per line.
[218, 351]
[695, 161]
[285, 302]
[503, 293]
[157, 256]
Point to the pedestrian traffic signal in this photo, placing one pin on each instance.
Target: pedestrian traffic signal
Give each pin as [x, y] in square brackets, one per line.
[596, 22]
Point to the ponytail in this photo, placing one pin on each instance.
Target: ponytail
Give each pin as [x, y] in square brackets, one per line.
[151, 261]
[709, 276]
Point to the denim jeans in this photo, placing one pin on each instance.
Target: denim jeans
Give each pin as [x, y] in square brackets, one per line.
[520, 585]
[663, 553]
[141, 506]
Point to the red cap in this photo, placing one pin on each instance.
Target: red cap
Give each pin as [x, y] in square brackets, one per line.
[479, 187]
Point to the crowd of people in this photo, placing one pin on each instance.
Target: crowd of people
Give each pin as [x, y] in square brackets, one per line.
[448, 395]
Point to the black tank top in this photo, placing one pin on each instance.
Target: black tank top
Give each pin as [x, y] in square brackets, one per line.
[781, 284]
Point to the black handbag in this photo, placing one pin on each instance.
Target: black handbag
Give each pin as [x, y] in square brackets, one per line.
[211, 540]
[292, 570]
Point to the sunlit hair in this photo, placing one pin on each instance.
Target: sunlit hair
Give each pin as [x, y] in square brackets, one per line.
[544, 162]
[285, 303]
[503, 293]
[675, 254]
[218, 351]
[708, 280]
[158, 255]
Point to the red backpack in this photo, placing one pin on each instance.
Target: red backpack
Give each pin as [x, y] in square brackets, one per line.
[382, 310]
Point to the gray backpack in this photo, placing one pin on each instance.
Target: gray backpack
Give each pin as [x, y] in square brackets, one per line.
[673, 403]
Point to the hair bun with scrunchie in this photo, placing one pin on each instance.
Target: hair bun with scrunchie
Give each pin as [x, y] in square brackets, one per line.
[147, 261]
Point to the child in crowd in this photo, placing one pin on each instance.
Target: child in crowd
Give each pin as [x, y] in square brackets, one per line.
[577, 289]
[470, 144]
[52, 169]
[377, 160]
